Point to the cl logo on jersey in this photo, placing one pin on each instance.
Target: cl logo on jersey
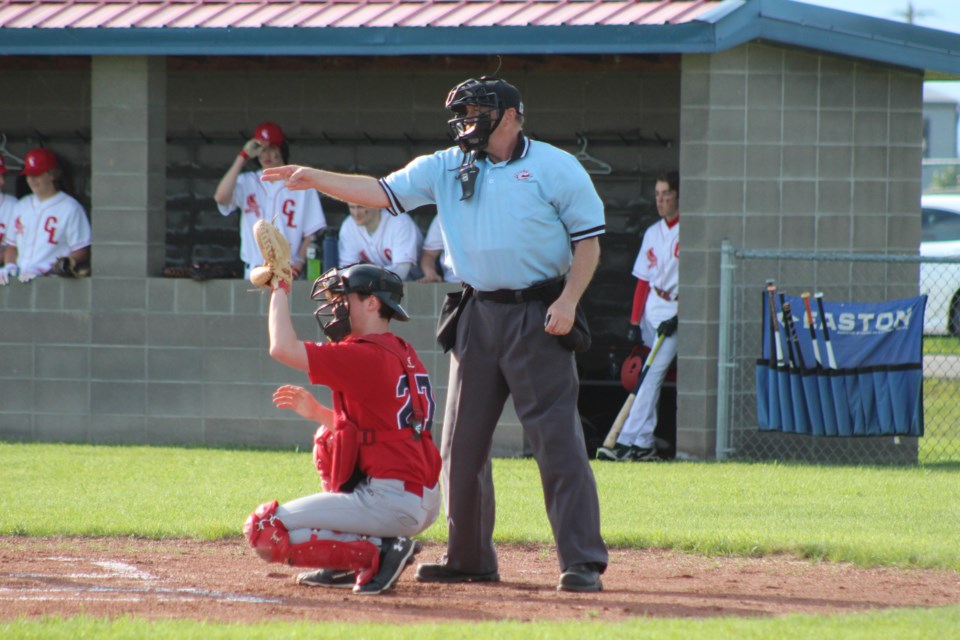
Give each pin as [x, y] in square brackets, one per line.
[388, 254]
[651, 258]
[676, 251]
[523, 174]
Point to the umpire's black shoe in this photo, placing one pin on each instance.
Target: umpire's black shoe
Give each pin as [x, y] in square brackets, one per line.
[580, 577]
[395, 555]
[440, 572]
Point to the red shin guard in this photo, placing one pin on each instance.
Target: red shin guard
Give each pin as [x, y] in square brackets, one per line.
[361, 556]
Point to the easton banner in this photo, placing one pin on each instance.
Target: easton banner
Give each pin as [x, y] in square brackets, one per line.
[841, 368]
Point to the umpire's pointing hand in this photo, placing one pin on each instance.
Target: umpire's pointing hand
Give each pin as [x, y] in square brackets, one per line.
[668, 327]
[294, 177]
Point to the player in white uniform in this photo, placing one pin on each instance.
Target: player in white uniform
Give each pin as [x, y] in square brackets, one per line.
[298, 214]
[433, 248]
[7, 202]
[373, 236]
[655, 310]
[48, 224]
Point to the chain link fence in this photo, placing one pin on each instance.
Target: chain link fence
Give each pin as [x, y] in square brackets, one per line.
[848, 278]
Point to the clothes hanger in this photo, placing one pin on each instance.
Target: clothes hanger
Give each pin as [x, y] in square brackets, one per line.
[591, 164]
[3, 150]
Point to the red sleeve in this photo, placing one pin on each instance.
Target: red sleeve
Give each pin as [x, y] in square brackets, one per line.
[639, 301]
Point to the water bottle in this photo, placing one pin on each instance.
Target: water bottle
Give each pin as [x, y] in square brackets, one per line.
[313, 262]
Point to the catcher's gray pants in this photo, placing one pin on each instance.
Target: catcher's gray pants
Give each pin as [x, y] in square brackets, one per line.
[377, 508]
[502, 349]
[641, 422]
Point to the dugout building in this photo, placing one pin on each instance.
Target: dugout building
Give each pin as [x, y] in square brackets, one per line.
[794, 127]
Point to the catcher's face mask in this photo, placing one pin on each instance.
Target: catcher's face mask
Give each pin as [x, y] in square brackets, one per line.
[364, 279]
[334, 312]
[478, 107]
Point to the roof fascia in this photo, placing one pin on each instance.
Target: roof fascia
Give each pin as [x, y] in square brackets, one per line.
[687, 37]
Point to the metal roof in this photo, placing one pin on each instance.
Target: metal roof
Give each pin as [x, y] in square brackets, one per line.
[313, 14]
[452, 27]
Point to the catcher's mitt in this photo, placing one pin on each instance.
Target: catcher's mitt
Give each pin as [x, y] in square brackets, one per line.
[276, 270]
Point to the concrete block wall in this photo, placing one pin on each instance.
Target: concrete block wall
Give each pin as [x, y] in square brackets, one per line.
[170, 361]
[787, 149]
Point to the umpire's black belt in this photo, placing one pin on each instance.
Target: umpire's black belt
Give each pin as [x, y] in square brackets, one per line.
[547, 291]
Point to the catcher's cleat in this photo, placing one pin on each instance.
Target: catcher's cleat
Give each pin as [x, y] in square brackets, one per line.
[395, 555]
[335, 578]
[339, 578]
[619, 453]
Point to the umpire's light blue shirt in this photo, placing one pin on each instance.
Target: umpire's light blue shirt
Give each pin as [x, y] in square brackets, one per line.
[517, 227]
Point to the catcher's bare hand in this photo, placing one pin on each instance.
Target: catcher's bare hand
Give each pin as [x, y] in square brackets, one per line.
[294, 177]
[560, 316]
[302, 402]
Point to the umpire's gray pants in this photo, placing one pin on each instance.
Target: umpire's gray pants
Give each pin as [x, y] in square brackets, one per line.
[502, 350]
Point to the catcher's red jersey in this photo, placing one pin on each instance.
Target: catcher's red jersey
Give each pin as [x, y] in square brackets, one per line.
[376, 396]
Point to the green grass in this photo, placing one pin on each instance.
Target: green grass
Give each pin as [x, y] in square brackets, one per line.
[900, 516]
[941, 416]
[903, 624]
[941, 345]
[866, 515]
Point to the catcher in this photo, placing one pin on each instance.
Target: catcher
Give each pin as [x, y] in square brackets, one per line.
[374, 451]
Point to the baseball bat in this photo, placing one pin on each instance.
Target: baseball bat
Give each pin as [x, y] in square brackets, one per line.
[791, 359]
[831, 359]
[796, 354]
[611, 440]
[813, 332]
[777, 347]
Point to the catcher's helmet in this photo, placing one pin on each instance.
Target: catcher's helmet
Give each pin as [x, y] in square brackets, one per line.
[473, 132]
[333, 286]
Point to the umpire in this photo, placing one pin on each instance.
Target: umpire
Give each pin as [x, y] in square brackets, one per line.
[521, 220]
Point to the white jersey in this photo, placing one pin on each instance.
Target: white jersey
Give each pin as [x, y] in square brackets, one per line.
[434, 242]
[296, 213]
[7, 203]
[45, 231]
[659, 264]
[397, 240]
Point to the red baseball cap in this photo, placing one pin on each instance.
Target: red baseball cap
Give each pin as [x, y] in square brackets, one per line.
[269, 133]
[38, 162]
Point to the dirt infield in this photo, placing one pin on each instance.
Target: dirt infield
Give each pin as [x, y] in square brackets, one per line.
[224, 581]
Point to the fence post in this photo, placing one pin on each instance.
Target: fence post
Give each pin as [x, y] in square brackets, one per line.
[724, 364]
